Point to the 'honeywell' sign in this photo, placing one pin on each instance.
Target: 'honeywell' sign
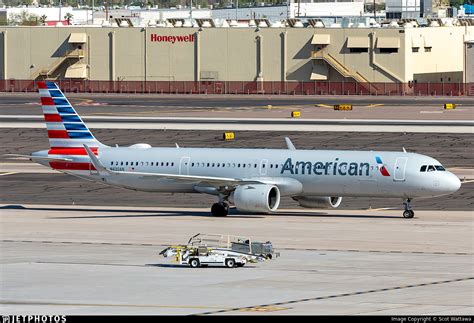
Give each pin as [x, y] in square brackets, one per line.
[172, 39]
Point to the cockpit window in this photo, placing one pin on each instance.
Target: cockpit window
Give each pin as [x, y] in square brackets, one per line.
[431, 168]
[423, 168]
[439, 167]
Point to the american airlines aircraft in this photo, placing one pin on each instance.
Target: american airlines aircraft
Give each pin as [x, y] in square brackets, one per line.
[253, 180]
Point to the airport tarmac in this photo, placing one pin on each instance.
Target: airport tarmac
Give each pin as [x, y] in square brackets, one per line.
[252, 106]
[102, 260]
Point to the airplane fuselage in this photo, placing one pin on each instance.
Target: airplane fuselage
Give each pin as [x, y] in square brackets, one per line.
[299, 172]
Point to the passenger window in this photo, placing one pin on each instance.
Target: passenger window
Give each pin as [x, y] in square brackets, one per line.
[126, 163]
[116, 163]
[276, 166]
[263, 166]
[172, 164]
[431, 168]
[167, 163]
[238, 165]
[243, 165]
[423, 168]
[111, 163]
[255, 166]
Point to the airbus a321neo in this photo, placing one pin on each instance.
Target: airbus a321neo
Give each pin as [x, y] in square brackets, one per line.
[253, 180]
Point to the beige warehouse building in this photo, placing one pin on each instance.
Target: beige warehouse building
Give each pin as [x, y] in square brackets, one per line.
[364, 55]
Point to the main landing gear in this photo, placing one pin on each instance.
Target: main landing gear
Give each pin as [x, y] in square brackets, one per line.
[408, 213]
[220, 209]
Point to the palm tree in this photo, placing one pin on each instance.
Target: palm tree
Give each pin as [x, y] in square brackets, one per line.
[68, 17]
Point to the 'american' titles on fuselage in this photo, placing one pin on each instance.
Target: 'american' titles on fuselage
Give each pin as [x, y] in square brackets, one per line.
[326, 168]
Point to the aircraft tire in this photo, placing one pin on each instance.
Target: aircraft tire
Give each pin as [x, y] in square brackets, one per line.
[408, 214]
[219, 210]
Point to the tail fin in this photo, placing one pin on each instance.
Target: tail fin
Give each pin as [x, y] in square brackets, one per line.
[67, 132]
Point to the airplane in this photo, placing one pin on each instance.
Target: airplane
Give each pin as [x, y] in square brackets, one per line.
[252, 180]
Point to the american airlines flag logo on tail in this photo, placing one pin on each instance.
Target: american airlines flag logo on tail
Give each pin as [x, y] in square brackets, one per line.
[67, 132]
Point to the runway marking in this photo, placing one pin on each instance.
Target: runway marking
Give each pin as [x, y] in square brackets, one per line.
[340, 295]
[324, 106]
[375, 105]
[285, 248]
[431, 111]
[468, 181]
[12, 302]
[10, 173]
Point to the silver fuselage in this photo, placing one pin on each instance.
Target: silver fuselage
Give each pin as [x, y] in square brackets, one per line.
[296, 172]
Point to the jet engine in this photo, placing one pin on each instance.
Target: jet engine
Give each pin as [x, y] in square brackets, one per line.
[256, 198]
[318, 202]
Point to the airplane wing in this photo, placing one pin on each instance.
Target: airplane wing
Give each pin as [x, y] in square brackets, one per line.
[39, 157]
[213, 181]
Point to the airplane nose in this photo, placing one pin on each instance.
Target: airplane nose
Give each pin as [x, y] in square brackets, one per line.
[452, 183]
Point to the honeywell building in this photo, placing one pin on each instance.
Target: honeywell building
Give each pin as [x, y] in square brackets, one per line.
[383, 60]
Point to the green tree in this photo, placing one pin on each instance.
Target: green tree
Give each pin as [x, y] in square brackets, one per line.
[68, 17]
[42, 19]
[456, 3]
[23, 19]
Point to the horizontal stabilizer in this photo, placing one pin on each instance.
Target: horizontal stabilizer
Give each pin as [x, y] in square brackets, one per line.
[39, 157]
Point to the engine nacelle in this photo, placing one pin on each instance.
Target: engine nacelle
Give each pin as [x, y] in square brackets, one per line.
[256, 198]
[318, 202]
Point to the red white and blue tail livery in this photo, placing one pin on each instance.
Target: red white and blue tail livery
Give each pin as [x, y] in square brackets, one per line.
[67, 133]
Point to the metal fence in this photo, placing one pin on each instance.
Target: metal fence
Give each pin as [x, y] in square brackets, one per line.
[244, 87]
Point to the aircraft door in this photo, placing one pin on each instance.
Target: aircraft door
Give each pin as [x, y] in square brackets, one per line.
[263, 167]
[184, 165]
[399, 171]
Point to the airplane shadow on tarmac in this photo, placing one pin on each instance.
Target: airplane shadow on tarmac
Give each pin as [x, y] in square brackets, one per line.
[233, 214]
[147, 213]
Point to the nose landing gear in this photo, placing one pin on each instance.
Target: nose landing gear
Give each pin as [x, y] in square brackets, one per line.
[408, 213]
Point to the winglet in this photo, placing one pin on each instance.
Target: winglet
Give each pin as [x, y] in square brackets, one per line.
[289, 144]
[95, 161]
